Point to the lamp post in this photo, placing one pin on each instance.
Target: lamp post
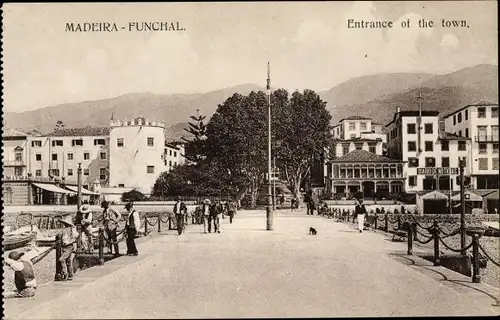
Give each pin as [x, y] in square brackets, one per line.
[79, 186]
[269, 209]
[462, 206]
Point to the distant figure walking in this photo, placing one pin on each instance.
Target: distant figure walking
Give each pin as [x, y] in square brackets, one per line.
[180, 210]
[293, 203]
[206, 215]
[231, 209]
[360, 211]
[133, 224]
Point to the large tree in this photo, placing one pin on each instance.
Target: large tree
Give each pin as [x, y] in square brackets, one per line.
[196, 145]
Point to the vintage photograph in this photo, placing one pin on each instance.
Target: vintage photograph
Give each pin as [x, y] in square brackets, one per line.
[250, 159]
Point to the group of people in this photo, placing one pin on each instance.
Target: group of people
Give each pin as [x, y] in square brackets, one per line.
[207, 212]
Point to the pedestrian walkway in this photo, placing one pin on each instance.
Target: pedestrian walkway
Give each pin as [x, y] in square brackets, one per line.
[247, 271]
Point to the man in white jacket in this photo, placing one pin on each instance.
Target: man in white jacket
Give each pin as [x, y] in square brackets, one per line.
[133, 224]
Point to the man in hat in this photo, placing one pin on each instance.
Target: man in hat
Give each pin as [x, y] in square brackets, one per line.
[69, 236]
[84, 218]
[360, 211]
[111, 219]
[206, 215]
[132, 225]
[24, 275]
[179, 210]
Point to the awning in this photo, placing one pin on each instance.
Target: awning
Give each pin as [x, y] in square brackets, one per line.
[53, 188]
[471, 197]
[492, 196]
[84, 191]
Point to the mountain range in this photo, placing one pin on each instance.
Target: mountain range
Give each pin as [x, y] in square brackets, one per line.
[375, 96]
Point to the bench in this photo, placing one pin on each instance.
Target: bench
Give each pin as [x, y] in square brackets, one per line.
[402, 233]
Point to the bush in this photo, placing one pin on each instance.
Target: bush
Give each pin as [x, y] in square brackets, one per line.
[133, 195]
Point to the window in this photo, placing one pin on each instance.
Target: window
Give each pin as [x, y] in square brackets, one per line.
[430, 162]
[363, 125]
[466, 113]
[429, 146]
[36, 143]
[495, 164]
[411, 128]
[151, 142]
[462, 145]
[38, 172]
[412, 181]
[121, 185]
[429, 128]
[57, 143]
[175, 153]
[495, 148]
[459, 117]
[345, 149]
[481, 112]
[352, 126]
[467, 132]
[38, 157]
[70, 156]
[483, 148]
[359, 146]
[445, 162]
[86, 156]
[119, 142]
[54, 157]
[150, 169]
[19, 156]
[77, 142]
[413, 162]
[169, 163]
[412, 146]
[102, 174]
[494, 112]
[445, 145]
[464, 159]
[86, 172]
[55, 172]
[372, 148]
[103, 155]
[99, 142]
[70, 172]
[494, 133]
[483, 163]
[18, 171]
[170, 152]
[460, 133]
[454, 119]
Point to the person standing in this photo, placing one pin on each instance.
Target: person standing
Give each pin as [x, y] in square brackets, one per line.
[231, 209]
[24, 275]
[179, 211]
[132, 225]
[360, 211]
[205, 211]
[84, 218]
[216, 216]
[292, 203]
[111, 219]
[69, 237]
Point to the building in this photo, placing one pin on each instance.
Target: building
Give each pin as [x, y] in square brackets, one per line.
[358, 127]
[174, 155]
[430, 155]
[15, 153]
[136, 153]
[479, 122]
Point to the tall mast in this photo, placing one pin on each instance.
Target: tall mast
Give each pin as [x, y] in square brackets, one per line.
[419, 121]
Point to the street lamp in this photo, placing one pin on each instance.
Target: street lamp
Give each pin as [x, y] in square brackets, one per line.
[269, 209]
[79, 186]
[461, 166]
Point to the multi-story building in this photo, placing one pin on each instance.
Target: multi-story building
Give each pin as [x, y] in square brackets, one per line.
[15, 153]
[174, 155]
[479, 122]
[358, 127]
[430, 155]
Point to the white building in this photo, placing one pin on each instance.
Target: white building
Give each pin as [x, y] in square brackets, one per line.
[415, 138]
[358, 127]
[479, 122]
[174, 155]
[136, 153]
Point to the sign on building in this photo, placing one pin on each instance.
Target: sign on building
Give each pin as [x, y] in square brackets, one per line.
[436, 171]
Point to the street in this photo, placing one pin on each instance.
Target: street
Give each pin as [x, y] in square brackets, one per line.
[248, 272]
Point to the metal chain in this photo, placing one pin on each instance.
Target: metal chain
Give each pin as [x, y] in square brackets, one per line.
[422, 227]
[447, 235]
[109, 241]
[488, 256]
[429, 239]
[151, 223]
[454, 250]
[35, 260]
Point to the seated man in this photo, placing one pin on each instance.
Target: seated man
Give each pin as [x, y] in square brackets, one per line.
[24, 275]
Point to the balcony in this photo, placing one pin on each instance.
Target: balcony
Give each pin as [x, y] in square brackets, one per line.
[14, 163]
[490, 138]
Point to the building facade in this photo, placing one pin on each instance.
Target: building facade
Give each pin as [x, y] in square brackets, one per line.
[358, 127]
[15, 152]
[479, 122]
[416, 139]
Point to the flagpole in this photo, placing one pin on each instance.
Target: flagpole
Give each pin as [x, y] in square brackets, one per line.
[269, 212]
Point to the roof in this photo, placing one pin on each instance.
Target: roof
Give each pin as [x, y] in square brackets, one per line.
[414, 113]
[450, 136]
[494, 195]
[81, 132]
[355, 118]
[363, 156]
[14, 133]
[171, 146]
[435, 194]
[357, 139]
[476, 104]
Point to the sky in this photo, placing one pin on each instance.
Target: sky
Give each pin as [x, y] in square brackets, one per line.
[224, 44]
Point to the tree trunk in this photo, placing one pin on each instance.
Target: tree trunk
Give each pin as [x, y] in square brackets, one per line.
[296, 189]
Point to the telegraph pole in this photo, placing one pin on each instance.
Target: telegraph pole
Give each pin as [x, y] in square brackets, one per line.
[79, 186]
[274, 183]
[269, 208]
[462, 206]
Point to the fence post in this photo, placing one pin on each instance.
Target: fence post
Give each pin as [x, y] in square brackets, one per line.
[399, 222]
[414, 228]
[376, 222]
[476, 276]
[159, 223]
[101, 246]
[169, 222]
[386, 223]
[353, 216]
[437, 259]
[58, 276]
[410, 239]
[145, 225]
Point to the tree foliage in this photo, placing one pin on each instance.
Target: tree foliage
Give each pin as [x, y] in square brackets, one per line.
[195, 147]
[59, 125]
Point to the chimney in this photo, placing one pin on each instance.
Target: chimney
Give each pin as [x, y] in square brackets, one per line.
[398, 109]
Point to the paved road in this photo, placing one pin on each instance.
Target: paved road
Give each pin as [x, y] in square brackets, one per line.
[248, 272]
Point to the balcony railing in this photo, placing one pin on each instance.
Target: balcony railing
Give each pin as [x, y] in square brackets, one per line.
[490, 138]
[14, 163]
[37, 179]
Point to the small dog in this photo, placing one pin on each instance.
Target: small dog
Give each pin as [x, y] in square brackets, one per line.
[312, 231]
